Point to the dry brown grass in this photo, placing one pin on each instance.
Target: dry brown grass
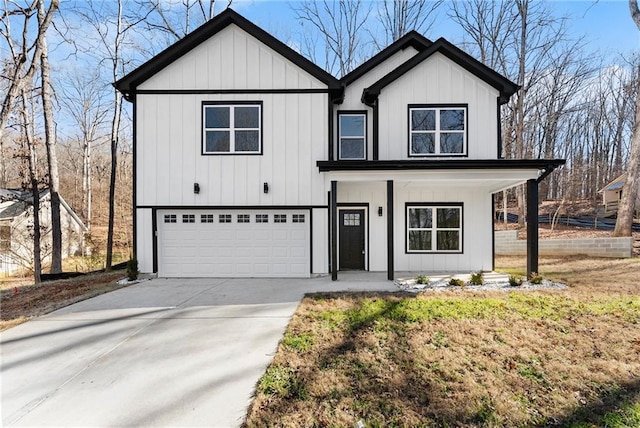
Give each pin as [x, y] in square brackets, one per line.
[19, 303]
[563, 358]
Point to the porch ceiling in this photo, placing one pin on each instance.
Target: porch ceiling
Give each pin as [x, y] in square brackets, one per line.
[487, 180]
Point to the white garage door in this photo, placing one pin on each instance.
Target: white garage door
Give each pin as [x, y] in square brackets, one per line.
[233, 243]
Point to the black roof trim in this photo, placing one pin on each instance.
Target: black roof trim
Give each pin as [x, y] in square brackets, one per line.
[412, 38]
[439, 164]
[128, 83]
[506, 87]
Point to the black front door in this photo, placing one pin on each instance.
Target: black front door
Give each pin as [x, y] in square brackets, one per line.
[351, 239]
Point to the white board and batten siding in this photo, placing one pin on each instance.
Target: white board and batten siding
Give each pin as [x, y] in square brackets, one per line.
[230, 60]
[476, 217]
[169, 158]
[438, 80]
[353, 92]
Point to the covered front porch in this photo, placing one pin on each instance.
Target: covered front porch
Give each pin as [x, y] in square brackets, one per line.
[389, 198]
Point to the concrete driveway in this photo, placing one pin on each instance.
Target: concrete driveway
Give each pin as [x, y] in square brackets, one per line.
[164, 352]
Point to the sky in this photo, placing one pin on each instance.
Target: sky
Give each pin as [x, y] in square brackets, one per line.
[606, 24]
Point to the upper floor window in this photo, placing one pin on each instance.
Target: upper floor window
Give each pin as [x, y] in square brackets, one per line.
[231, 128]
[437, 130]
[352, 135]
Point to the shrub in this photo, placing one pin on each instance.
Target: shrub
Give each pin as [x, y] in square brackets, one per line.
[515, 280]
[477, 278]
[132, 270]
[536, 278]
[456, 282]
[422, 279]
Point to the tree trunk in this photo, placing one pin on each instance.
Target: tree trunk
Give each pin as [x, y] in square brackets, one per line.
[33, 184]
[630, 189]
[50, 143]
[115, 129]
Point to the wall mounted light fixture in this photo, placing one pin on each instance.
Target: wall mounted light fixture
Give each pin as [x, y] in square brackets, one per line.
[265, 187]
[196, 188]
[379, 211]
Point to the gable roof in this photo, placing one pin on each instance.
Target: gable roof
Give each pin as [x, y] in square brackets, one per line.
[411, 39]
[128, 83]
[506, 87]
[617, 183]
[14, 203]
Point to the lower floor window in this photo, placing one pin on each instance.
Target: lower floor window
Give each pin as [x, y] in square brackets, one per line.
[434, 228]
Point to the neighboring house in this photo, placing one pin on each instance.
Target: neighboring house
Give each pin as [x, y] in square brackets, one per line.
[612, 193]
[16, 229]
[251, 161]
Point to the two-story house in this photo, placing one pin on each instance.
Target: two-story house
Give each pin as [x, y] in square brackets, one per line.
[252, 161]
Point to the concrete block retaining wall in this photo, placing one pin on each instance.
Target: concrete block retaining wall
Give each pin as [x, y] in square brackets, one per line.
[507, 243]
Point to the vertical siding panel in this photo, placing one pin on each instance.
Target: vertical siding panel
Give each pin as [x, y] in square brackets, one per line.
[226, 57]
[292, 141]
[305, 141]
[268, 146]
[279, 166]
[240, 178]
[145, 240]
[279, 80]
[214, 56]
[151, 142]
[175, 150]
[319, 234]
[239, 59]
[266, 69]
[253, 64]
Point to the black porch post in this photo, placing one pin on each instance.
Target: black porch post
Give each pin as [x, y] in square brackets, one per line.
[333, 219]
[390, 267]
[532, 227]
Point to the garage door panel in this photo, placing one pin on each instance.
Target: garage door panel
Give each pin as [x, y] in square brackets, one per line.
[242, 249]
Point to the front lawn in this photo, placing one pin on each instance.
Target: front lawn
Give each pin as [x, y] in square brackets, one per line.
[552, 358]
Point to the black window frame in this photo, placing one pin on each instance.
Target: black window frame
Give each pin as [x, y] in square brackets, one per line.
[439, 107]
[365, 136]
[232, 104]
[434, 228]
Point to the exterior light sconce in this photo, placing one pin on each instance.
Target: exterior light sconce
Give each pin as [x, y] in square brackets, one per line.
[196, 188]
[379, 211]
[265, 187]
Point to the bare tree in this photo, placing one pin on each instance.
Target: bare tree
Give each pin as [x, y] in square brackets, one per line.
[83, 99]
[398, 17]
[50, 143]
[32, 182]
[341, 26]
[629, 195]
[25, 58]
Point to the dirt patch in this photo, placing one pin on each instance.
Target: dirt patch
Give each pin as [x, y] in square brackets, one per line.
[19, 303]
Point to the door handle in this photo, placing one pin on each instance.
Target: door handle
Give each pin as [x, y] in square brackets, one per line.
[362, 251]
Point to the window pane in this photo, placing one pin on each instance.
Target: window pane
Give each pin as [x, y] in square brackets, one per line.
[423, 120]
[352, 126]
[451, 142]
[420, 240]
[420, 218]
[216, 117]
[422, 143]
[217, 141]
[448, 217]
[452, 120]
[352, 148]
[247, 141]
[246, 117]
[448, 240]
